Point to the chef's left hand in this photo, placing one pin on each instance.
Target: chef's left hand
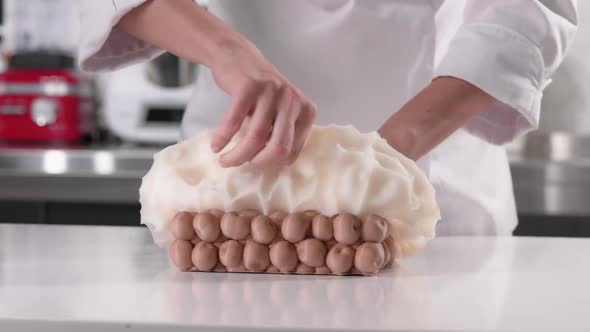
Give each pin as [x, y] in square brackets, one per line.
[444, 106]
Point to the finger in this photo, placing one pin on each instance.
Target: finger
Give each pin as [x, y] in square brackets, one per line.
[239, 109]
[259, 129]
[278, 148]
[302, 128]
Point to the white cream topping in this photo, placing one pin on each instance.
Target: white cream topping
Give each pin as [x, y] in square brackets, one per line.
[339, 170]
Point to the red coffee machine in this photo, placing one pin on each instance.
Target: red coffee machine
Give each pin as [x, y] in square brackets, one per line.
[43, 99]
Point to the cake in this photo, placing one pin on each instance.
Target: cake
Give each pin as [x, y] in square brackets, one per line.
[350, 204]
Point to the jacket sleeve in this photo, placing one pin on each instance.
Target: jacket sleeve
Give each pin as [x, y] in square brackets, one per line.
[510, 49]
[102, 45]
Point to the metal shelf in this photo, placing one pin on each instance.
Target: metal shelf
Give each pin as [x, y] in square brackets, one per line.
[551, 176]
[97, 174]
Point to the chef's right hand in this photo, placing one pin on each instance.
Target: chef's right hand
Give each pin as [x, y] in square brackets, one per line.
[280, 115]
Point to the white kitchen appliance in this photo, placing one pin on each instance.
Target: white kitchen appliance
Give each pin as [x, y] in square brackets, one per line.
[144, 103]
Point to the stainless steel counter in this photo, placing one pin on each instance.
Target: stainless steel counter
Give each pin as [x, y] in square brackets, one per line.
[551, 174]
[96, 174]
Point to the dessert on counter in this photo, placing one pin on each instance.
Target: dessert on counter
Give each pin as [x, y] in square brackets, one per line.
[350, 204]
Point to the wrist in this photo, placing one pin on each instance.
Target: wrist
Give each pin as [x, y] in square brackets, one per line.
[223, 48]
[435, 113]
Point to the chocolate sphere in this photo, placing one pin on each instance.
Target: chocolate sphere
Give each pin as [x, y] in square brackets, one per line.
[234, 226]
[283, 255]
[180, 252]
[239, 268]
[304, 269]
[219, 268]
[356, 244]
[196, 240]
[182, 226]
[322, 228]
[347, 228]
[369, 258]
[323, 270]
[263, 230]
[312, 252]
[295, 227]
[207, 226]
[310, 213]
[340, 259]
[230, 253]
[217, 213]
[387, 253]
[204, 256]
[374, 229]
[256, 257]
[391, 245]
[277, 218]
[331, 243]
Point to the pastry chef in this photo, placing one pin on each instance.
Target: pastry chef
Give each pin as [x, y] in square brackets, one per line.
[444, 82]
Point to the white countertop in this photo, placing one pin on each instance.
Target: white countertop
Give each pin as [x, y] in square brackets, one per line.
[87, 278]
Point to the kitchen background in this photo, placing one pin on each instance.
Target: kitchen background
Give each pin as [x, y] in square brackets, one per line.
[73, 147]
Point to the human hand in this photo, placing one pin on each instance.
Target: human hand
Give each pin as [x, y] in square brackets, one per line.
[280, 115]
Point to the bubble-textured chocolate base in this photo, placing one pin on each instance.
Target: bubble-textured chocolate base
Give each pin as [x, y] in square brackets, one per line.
[301, 243]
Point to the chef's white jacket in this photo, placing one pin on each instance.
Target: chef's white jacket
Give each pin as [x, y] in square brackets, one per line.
[361, 60]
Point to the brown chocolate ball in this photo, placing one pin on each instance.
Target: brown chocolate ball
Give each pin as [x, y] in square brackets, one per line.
[391, 245]
[304, 269]
[182, 226]
[322, 228]
[283, 255]
[356, 244]
[196, 240]
[256, 257]
[387, 252]
[204, 256]
[207, 227]
[347, 228]
[239, 268]
[278, 238]
[234, 226]
[374, 229]
[263, 230]
[369, 258]
[331, 243]
[311, 213]
[180, 252]
[340, 259]
[295, 227]
[323, 270]
[230, 253]
[312, 252]
[277, 218]
[219, 268]
[217, 213]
